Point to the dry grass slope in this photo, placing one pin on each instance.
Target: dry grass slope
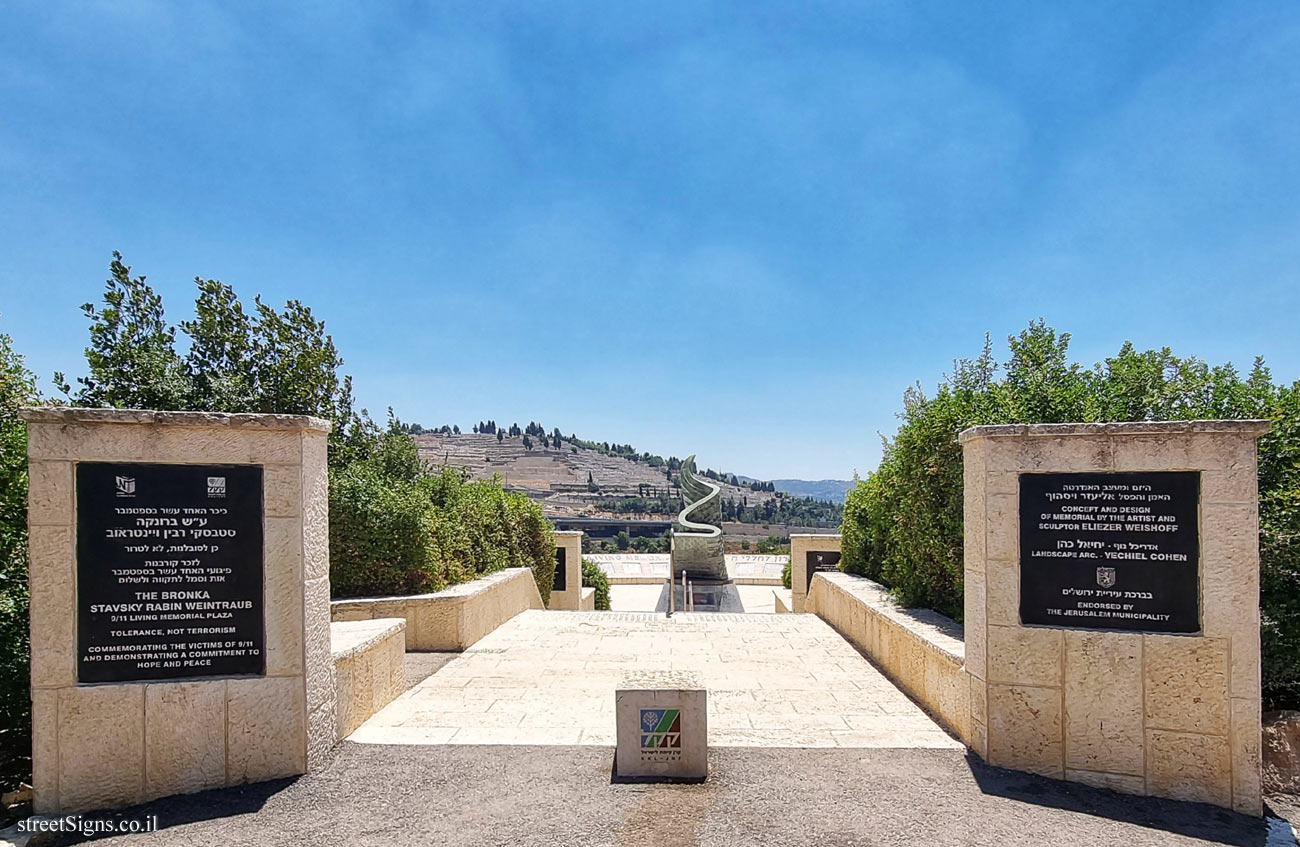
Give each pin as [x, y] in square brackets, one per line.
[556, 477]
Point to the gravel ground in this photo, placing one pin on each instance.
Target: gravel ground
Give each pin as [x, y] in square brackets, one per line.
[517, 796]
[421, 666]
[1285, 806]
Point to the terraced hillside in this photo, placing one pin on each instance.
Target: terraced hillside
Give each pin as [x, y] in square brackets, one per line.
[558, 478]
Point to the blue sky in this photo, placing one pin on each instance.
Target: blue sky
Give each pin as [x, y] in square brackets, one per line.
[738, 230]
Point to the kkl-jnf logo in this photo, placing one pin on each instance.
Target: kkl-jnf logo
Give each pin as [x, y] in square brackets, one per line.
[661, 729]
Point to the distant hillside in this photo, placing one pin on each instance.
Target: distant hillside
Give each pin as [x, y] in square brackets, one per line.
[582, 478]
[831, 490]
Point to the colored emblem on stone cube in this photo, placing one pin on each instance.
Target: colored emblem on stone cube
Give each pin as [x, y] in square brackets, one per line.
[661, 729]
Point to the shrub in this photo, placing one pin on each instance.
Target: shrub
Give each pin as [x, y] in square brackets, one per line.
[787, 574]
[395, 529]
[534, 539]
[1279, 534]
[17, 388]
[903, 523]
[594, 577]
[382, 536]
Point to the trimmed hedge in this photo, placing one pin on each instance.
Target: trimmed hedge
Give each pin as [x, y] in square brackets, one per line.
[383, 538]
[594, 577]
[394, 529]
[17, 388]
[903, 523]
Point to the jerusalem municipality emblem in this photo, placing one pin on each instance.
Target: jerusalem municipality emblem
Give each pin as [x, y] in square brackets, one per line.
[661, 729]
[1105, 577]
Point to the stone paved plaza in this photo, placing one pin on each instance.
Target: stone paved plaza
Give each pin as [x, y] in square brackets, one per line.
[754, 599]
[548, 678]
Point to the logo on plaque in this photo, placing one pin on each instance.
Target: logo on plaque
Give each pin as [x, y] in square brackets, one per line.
[125, 486]
[661, 729]
[1105, 577]
[216, 486]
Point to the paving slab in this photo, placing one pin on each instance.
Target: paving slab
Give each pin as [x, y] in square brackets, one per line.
[548, 678]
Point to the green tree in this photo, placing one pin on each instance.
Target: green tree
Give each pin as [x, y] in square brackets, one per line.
[1279, 525]
[220, 359]
[295, 364]
[17, 389]
[267, 361]
[903, 524]
[131, 360]
[594, 577]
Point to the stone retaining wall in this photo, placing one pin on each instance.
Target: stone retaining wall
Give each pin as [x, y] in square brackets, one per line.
[369, 668]
[1172, 714]
[115, 744]
[921, 651]
[454, 618]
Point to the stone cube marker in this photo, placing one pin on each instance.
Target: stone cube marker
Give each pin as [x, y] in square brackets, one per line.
[662, 721]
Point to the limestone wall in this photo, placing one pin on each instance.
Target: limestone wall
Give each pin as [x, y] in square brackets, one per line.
[801, 544]
[369, 666]
[570, 541]
[1169, 715]
[115, 744]
[921, 651]
[454, 618]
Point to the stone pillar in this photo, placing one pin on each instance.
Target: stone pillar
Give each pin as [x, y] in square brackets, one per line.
[810, 552]
[566, 593]
[145, 729]
[1112, 636]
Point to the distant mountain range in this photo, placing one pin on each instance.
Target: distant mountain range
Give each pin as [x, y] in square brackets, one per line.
[834, 490]
[830, 490]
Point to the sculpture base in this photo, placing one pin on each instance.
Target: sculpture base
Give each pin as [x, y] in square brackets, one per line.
[708, 596]
[698, 555]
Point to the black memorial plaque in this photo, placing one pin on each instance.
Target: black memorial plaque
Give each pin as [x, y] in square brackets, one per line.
[820, 560]
[561, 571]
[1111, 550]
[169, 571]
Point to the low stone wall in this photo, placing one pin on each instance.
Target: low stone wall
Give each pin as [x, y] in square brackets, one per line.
[587, 603]
[454, 618]
[783, 600]
[369, 668]
[923, 652]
